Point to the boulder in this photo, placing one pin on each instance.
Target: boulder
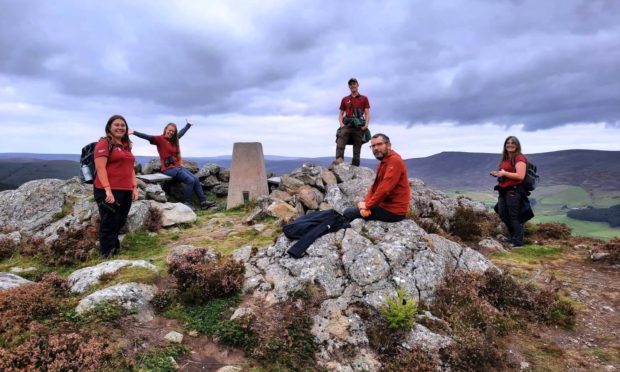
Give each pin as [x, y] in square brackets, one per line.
[310, 197]
[208, 170]
[290, 184]
[220, 190]
[190, 165]
[154, 165]
[81, 280]
[224, 175]
[175, 213]
[11, 281]
[155, 192]
[135, 297]
[283, 211]
[210, 181]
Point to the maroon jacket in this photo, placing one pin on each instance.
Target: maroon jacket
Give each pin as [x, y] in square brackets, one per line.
[391, 189]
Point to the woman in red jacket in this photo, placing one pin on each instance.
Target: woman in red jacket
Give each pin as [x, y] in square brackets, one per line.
[510, 175]
[115, 185]
[170, 158]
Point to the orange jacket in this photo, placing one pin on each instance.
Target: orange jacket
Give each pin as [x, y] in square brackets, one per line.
[391, 189]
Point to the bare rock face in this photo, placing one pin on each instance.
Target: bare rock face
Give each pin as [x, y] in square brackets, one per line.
[175, 213]
[8, 280]
[81, 280]
[155, 192]
[363, 264]
[310, 197]
[135, 297]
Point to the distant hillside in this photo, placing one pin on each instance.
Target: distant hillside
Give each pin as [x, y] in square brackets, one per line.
[590, 169]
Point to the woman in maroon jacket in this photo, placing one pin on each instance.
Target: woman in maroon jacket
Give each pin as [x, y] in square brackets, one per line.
[170, 158]
[115, 185]
[510, 175]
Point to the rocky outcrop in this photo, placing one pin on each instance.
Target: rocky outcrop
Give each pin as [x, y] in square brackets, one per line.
[81, 280]
[359, 266]
[40, 207]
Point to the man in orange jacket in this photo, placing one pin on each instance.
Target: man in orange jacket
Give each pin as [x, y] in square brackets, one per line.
[388, 197]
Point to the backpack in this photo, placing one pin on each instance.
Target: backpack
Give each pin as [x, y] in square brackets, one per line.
[531, 179]
[87, 162]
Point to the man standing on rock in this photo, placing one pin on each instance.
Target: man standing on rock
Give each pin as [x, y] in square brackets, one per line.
[354, 118]
[388, 197]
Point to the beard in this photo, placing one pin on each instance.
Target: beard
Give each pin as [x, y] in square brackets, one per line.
[379, 155]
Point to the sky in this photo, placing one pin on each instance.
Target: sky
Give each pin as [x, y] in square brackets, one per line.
[439, 75]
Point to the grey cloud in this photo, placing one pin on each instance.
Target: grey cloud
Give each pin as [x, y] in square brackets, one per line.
[539, 63]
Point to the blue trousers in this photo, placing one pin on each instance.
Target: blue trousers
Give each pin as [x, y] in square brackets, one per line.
[192, 183]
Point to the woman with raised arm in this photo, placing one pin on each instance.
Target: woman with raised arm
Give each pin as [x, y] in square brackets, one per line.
[512, 196]
[170, 157]
[115, 185]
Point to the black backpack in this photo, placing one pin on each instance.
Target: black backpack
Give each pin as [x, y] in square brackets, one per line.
[531, 179]
[87, 162]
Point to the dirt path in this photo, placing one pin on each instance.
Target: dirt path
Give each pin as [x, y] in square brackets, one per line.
[594, 342]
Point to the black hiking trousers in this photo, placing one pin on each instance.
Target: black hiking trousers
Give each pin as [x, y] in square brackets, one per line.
[509, 208]
[113, 218]
[376, 214]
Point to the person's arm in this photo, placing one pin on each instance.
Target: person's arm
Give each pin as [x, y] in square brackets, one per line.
[141, 135]
[185, 128]
[389, 181]
[366, 118]
[519, 175]
[102, 174]
[135, 186]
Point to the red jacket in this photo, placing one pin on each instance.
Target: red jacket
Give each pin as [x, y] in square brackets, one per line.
[391, 189]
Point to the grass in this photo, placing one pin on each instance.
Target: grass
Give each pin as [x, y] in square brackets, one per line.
[530, 254]
[204, 318]
[141, 245]
[238, 240]
[158, 359]
[129, 275]
[597, 230]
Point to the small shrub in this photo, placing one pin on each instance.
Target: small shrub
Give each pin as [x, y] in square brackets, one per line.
[553, 231]
[204, 317]
[72, 246]
[236, 333]
[23, 305]
[7, 247]
[415, 359]
[153, 219]
[161, 300]
[466, 223]
[613, 248]
[198, 281]
[59, 352]
[400, 310]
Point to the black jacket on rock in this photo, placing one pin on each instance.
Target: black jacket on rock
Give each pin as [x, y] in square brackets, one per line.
[306, 229]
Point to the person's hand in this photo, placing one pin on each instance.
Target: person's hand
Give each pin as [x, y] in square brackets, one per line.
[188, 121]
[361, 205]
[135, 194]
[130, 132]
[365, 127]
[109, 197]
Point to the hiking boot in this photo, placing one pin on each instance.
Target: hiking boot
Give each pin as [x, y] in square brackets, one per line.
[207, 204]
[336, 162]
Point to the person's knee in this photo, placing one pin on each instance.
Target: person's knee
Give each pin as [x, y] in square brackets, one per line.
[351, 213]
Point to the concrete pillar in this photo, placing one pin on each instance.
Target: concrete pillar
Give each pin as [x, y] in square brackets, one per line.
[248, 178]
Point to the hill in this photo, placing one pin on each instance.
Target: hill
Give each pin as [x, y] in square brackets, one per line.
[590, 169]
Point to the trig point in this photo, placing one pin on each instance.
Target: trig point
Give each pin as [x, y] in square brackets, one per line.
[248, 178]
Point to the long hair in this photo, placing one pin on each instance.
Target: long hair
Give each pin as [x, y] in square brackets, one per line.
[175, 139]
[108, 131]
[506, 155]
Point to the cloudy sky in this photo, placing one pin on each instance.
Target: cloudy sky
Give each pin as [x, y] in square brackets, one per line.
[440, 75]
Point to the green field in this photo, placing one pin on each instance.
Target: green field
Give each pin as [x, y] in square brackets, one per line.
[553, 202]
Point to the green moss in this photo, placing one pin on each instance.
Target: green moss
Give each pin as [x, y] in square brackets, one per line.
[66, 209]
[128, 275]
